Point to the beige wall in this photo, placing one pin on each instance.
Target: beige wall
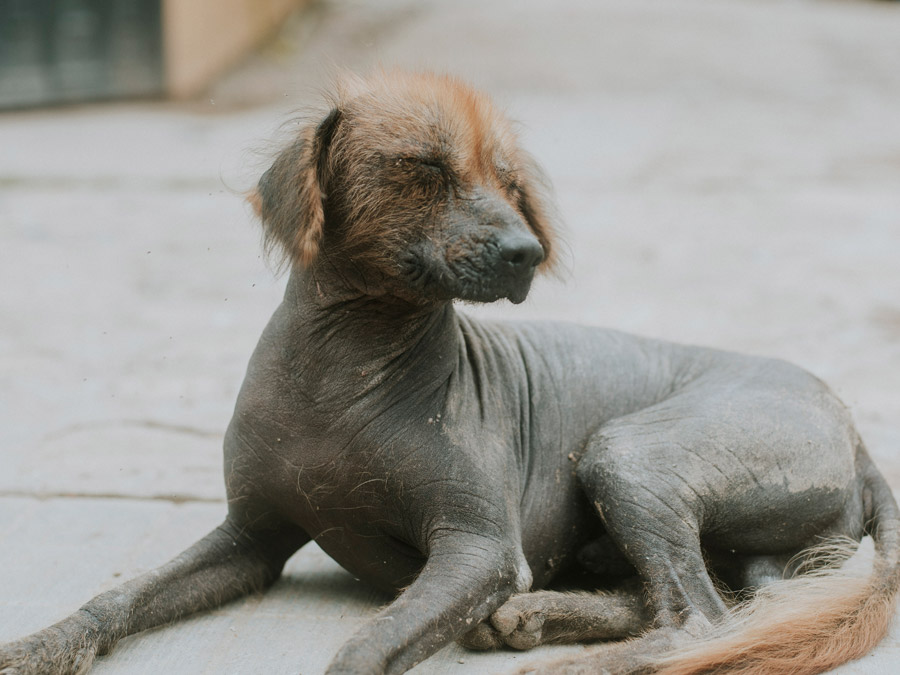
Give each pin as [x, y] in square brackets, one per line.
[201, 38]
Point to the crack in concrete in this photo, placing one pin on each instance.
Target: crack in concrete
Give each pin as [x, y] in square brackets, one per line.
[144, 424]
[108, 182]
[171, 498]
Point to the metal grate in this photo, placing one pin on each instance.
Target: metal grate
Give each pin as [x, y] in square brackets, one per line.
[55, 51]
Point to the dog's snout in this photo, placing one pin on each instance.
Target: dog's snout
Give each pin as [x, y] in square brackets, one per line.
[522, 251]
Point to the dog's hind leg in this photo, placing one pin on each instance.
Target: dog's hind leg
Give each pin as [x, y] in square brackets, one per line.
[226, 564]
[651, 515]
[628, 657]
[550, 617]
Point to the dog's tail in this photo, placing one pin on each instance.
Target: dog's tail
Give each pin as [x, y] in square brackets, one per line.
[813, 623]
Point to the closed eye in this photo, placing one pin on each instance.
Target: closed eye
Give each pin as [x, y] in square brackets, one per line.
[427, 175]
[425, 163]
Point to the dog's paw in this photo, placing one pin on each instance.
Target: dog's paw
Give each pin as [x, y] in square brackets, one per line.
[19, 658]
[46, 653]
[481, 638]
[518, 624]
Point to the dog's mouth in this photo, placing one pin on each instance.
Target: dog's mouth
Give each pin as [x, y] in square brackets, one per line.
[480, 271]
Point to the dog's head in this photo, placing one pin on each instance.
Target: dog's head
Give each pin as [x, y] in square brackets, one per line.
[413, 186]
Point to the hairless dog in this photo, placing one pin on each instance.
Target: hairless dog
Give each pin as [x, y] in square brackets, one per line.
[463, 463]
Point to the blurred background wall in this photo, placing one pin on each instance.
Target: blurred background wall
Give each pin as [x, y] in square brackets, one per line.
[55, 51]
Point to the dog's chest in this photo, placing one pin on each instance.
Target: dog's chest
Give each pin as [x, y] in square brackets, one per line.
[366, 510]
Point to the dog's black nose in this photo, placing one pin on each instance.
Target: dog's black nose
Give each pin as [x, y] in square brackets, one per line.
[522, 251]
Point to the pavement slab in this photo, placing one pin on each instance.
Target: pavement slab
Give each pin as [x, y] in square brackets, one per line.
[726, 174]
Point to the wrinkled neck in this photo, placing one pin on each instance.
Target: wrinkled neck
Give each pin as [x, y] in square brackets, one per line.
[343, 333]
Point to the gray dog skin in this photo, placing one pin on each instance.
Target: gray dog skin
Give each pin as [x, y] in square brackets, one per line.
[467, 462]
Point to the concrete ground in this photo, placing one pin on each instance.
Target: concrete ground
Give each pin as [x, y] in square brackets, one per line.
[728, 174]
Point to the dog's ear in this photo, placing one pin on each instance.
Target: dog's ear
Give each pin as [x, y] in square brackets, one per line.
[534, 204]
[290, 196]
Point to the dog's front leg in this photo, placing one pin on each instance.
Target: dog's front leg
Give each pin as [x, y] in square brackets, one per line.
[229, 562]
[464, 579]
